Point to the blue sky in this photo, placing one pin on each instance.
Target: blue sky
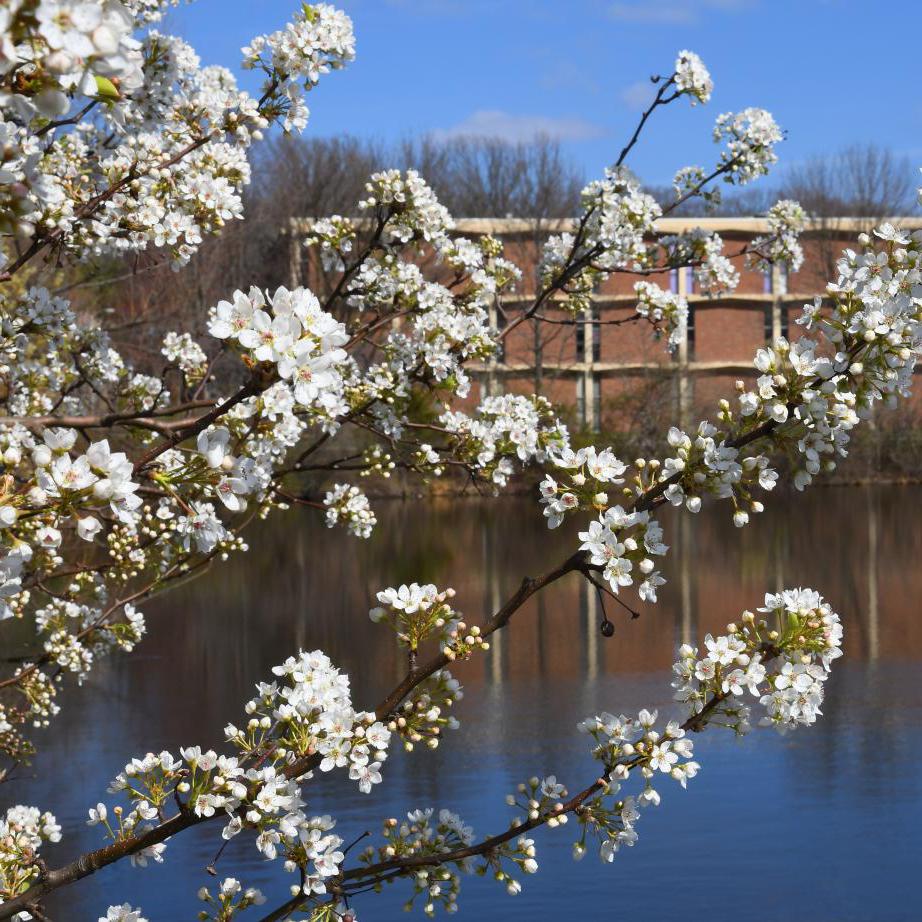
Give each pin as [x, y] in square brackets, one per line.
[833, 72]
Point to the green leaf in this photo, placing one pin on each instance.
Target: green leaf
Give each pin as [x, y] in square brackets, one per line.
[106, 89]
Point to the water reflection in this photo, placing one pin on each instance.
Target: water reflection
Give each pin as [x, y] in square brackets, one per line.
[820, 824]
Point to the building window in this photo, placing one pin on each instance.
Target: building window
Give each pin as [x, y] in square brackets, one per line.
[597, 403]
[768, 281]
[596, 334]
[769, 325]
[690, 333]
[501, 343]
[782, 279]
[673, 280]
[689, 280]
[582, 328]
[594, 404]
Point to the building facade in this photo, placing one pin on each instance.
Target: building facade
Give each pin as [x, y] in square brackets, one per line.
[602, 369]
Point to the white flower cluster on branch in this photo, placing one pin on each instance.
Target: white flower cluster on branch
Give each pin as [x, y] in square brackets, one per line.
[692, 77]
[809, 395]
[160, 155]
[118, 482]
[23, 832]
[666, 311]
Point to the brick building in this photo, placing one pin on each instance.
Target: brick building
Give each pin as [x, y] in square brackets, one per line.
[601, 370]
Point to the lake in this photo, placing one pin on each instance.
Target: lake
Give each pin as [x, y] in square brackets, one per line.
[822, 824]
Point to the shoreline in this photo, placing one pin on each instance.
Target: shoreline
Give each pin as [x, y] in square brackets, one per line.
[471, 493]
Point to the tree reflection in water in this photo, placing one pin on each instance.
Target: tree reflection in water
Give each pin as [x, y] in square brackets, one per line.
[853, 798]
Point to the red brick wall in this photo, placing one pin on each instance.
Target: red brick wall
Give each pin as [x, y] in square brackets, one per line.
[727, 330]
[730, 333]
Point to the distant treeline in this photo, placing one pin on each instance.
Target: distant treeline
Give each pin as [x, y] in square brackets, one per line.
[473, 177]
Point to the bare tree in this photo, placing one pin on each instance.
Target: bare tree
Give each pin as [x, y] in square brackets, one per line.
[492, 178]
[862, 181]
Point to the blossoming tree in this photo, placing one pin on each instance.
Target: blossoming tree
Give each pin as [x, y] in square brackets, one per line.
[117, 484]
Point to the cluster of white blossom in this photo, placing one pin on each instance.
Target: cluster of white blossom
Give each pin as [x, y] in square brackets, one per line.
[335, 237]
[231, 897]
[611, 235]
[66, 625]
[307, 711]
[445, 328]
[124, 912]
[183, 351]
[621, 544]
[691, 181]
[666, 311]
[149, 11]
[99, 477]
[443, 334]
[231, 480]
[425, 715]
[782, 659]
[592, 474]
[425, 834]
[61, 48]
[750, 137]
[25, 192]
[416, 614]
[706, 464]
[412, 209]
[11, 565]
[313, 706]
[23, 832]
[618, 542]
[624, 744]
[348, 505]
[318, 39]
[505, 427]
[692, 77]
[704, 252]
[44, 352]
[786, 219]
[289, 329]
[159, 155]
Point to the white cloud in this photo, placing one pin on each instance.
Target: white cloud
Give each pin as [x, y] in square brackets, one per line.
[494, 123]
[638, 95]
[675, 13]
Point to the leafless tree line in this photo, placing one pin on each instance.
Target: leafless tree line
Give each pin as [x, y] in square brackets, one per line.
[474, 177]
[860, 181]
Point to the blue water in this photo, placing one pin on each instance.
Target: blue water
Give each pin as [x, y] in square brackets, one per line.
[823, 824]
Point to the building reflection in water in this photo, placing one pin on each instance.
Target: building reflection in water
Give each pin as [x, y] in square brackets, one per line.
[303, 586]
